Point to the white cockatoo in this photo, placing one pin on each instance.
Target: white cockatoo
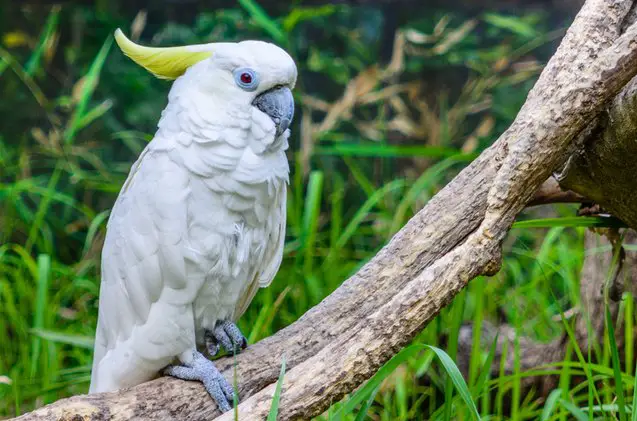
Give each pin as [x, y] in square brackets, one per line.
[199, 224]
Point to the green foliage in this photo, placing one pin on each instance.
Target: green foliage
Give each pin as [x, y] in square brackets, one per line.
[576, 221]
[370, 389]
[274, 409]
[77, 113]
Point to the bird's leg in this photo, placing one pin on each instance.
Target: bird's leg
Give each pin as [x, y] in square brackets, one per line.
[226, 334]
[202, 369]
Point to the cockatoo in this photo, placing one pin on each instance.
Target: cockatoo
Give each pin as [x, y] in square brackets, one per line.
[199, 224]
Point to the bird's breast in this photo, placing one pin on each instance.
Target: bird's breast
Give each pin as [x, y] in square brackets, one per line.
[232, 224]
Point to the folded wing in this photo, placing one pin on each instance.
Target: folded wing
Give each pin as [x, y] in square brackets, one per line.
[148, 281]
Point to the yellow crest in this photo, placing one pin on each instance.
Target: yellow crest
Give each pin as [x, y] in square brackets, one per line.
[165, 63]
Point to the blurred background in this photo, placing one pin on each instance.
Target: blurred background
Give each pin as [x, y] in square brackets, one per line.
[393, 99]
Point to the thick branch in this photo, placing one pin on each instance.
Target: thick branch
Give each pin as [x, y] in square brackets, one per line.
[560, 105]
[602, 166]
[342, 341]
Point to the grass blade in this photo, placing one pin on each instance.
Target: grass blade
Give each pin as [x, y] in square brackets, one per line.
[90, 83]
[362, 412]
[486, 369]
[510, 23]
[619, 386]
[51, 23]
[92, 229]
[550, 404]
[457, 379]
[391, 151]
[274, 409]
[457, 311]
[311, 215]
[28, 81]
[44, 270]
[450, 367]
[634, 412]
[264, 21]
[576, 221]
[360, 215]
[628, 332]
[574, 410]
[585, 365]
[79, 341]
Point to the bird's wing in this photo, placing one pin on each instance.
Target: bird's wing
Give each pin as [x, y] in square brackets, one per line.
[145, 317]
[273, 254]
[274, 250]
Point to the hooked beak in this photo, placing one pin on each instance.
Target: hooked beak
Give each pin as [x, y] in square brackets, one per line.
[278, 103]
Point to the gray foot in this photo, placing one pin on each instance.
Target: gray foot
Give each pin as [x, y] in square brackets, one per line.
[227, 335]
[202, 369]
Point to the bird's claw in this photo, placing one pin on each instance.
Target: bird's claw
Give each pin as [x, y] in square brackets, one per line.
[227, 335]
[204, 370]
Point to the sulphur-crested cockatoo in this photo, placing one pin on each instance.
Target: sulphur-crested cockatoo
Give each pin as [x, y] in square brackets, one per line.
[199, 224]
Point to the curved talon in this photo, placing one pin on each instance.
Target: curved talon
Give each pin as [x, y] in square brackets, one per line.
[222, 337]
[235, 335]
[227, 335]
[204, 370]
[212, 346]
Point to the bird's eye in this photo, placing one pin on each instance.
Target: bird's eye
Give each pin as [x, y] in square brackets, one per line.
[246, 79]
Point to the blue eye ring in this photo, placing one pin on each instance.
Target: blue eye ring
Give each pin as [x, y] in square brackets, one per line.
[246, 78]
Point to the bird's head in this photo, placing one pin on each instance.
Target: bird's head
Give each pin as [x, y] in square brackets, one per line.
[254, 73]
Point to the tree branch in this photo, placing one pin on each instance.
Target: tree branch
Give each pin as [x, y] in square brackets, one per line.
[602, 164]
[602, 168]
[342, 341]
[551, 192]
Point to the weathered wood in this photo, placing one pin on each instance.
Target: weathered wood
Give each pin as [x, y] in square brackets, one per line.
[603, 167]
[342, 341]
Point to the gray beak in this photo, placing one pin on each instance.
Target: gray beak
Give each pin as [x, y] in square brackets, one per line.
[278, 103]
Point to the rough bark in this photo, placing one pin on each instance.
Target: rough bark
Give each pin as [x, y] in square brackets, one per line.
[599, 169]
[599, 166]
[342, 341]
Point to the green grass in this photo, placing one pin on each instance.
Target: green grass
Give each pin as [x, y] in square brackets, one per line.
[63, 162]
[274, 409]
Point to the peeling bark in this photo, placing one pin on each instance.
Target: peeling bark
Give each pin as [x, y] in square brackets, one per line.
[343, 341]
